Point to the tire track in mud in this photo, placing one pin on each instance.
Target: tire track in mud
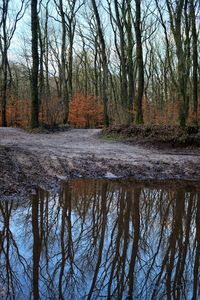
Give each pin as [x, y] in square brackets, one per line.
[31, 160]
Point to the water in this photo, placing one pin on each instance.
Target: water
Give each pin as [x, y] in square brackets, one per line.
[101, 239]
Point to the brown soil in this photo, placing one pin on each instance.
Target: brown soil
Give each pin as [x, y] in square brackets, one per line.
[30, 160]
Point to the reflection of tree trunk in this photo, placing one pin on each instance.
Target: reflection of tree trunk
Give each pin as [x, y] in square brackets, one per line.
[197, 255]
[47, 228]
[136, 224]
[66, 246]
[119, 223]
[63, 248]
[176, 233]
[169, 257]
[5, 243]
[183, 249]
[9, 250]
[36, 244]
[101, 242]
[126, 241]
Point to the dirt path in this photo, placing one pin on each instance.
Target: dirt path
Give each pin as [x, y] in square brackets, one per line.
[39, 159]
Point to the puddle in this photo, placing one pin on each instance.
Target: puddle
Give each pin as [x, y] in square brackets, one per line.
[101, 239]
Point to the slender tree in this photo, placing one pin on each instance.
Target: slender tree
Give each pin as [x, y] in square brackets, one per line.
[130, 67]
[8, 27]
[67, 15]
[176, 17]
[35, 66]
[194, 60]
[104, 61]
[140, 65]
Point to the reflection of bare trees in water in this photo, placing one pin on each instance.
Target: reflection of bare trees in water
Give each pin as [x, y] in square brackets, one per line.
[9, 254]
[102, 239]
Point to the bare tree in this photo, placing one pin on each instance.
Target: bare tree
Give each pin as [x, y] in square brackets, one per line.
[140, 65]
[67, 15]
[8, 26]
[104, 61]
[35, 65]
[176, 17]
[194, 59]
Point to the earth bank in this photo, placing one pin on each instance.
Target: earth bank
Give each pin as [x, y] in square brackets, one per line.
[30, 160]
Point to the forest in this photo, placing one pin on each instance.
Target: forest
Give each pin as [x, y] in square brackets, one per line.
[99, 149]
[95, 63]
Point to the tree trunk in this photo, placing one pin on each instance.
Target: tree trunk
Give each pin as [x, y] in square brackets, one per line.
[4, 89]
[104, 63]
[64, 87]
[140, 66]
[122, 56]
[131, 89]
[194, 61]
[176, 27]
[4, 54]
[70, 61]
[35, 66]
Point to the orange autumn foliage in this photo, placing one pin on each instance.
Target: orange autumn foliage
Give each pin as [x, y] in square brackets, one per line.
[85, 111]
[18, 112]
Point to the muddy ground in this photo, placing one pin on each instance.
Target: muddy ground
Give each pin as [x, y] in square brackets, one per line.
[30, 160]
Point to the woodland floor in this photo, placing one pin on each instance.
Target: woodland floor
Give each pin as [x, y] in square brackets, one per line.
[30, 160]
